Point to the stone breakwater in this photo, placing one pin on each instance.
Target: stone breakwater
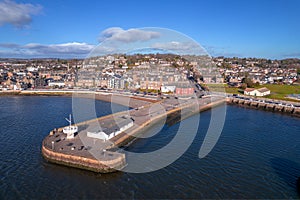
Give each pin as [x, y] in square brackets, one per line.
[172, 116]
[102, 166]
[266, 105]
[100, 157]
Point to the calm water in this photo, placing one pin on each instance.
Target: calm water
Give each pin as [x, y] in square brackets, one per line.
[257, 156]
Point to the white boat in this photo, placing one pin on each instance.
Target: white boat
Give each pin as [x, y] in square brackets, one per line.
[70, 130]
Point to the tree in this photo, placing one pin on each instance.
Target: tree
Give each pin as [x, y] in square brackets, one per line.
[248, 82]
[244, 86]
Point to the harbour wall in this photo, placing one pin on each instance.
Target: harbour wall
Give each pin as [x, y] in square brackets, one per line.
[173, 116]
[95, 165]
[266, 106]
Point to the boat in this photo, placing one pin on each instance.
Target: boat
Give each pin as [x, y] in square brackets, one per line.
[70, 130]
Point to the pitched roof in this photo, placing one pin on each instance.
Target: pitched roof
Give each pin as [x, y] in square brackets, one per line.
[249, 89]
[264, 89]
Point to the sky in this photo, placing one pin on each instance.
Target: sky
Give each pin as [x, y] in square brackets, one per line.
[72, 28]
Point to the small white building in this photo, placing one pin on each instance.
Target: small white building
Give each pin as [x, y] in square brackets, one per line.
[58, 84]
[168, 88]
[257, 92]
[108, 133]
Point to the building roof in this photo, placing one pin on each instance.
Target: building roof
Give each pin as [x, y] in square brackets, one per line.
[264, 89]
[116, 125]
[249, 89]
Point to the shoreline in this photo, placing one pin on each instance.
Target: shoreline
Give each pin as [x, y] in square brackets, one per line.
[107, 96]
[110, 161]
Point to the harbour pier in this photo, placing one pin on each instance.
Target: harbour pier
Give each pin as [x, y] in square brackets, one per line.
[93, 149]
[284, 107]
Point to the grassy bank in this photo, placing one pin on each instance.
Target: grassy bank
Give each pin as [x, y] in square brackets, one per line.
[222, 88]
[279, 92]
[282, 91]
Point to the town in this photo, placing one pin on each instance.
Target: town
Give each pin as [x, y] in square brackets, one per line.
[149, 73]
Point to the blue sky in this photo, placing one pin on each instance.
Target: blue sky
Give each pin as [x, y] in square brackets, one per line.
[242, 28]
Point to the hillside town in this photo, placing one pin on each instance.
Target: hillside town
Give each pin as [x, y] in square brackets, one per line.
[155, 73]
[259, 71]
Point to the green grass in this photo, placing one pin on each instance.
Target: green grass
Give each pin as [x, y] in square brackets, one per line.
[282, 91]
[222, 88]
[279, 92]
[232, 90]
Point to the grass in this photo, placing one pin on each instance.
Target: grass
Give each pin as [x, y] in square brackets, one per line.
[282, 91]
[279, 92]
[222, 88]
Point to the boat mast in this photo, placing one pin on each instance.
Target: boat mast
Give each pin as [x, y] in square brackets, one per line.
[69, 120]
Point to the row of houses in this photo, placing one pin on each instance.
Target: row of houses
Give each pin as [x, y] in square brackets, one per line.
[258, 71]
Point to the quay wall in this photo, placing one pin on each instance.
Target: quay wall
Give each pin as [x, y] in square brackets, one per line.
[260, 105]
[172, 115]
[100, 166]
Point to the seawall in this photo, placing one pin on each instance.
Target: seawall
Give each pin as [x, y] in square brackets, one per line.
[258, 104]
[173, 116]
[95, 165]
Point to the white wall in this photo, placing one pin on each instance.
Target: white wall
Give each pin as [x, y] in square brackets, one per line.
[98, 135]
[103, 136]
[168, 88]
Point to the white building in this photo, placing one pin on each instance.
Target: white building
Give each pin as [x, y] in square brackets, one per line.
[168, 88]
[58, 84]
[107, 134]
[257, 92]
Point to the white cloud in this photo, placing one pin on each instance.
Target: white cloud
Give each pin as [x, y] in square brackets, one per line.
[225, 51]
[17, 14]
[127, 36]
[187, 47]
[174, 46]
[73, 48]
[41, 50]
[291, 55]
[9, 45]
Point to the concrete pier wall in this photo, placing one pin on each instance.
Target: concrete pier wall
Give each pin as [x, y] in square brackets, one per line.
[273, 107]
[173, 116]
[296, 112]
[103, 166]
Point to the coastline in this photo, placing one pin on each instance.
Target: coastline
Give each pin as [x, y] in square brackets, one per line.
[119, 99]
[117, 160]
